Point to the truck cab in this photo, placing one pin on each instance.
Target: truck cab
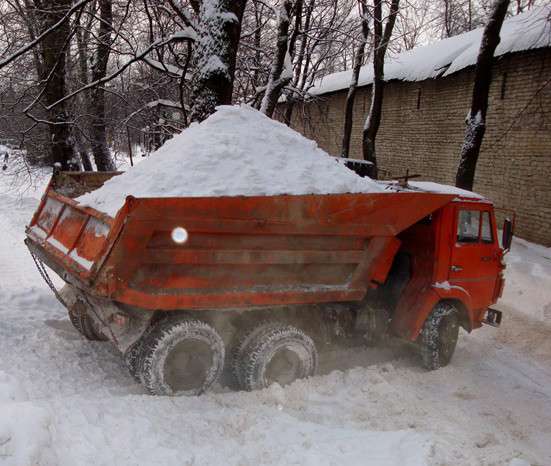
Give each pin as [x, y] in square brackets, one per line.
[475, 257]
[455, 262]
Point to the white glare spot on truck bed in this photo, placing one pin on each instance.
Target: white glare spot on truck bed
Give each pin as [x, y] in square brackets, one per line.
[179, 235]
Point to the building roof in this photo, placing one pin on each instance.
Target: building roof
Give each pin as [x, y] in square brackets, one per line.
[526, 31]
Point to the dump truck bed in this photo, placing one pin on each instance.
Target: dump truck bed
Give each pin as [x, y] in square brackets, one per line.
[241, 252]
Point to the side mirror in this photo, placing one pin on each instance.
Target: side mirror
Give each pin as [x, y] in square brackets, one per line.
[507, 237]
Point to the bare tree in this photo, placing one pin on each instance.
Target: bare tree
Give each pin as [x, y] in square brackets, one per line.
[328, 32]
[381, 39]
[282, 68]
[102, 155]
[52, 71]
[476, 120]
[35, 37]
[358, 63]
[413, 24]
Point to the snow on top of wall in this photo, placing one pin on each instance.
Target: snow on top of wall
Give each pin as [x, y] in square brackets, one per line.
[236, 151]
[530, 30]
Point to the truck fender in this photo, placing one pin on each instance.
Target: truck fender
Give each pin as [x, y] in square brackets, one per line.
[461, 299]
[409, 317]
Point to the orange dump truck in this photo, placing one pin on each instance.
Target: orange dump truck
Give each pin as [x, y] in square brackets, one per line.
[188, 287]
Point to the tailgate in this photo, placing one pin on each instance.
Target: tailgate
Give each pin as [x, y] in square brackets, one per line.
[74, 237]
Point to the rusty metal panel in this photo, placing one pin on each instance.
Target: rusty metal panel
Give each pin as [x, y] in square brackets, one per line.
[257, 251]
[68, 228]
[75, 237]
[91, 242]
[240, 251]
[49, 214]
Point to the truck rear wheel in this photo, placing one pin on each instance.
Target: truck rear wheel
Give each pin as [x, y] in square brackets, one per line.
[276, 354]
[180, 357]
[439, 336]
[241, 349]
[132, 359]
[81, 320]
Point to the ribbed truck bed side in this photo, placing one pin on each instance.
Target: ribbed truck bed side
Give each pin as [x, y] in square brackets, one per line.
[258, 251]
[241, 252]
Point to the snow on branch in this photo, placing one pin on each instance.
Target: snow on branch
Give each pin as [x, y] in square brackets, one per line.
[6, 61]
[164, 67]
[100, 82]
[282, 67]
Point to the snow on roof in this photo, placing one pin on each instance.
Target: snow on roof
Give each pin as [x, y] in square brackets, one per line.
[164, 102]
[432, 187]
[526, 31]
[237, 151]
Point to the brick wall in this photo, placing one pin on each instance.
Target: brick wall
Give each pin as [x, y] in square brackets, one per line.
[423, 127]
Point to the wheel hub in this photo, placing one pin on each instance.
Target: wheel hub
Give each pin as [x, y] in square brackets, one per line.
[283, 368]
[187, 365]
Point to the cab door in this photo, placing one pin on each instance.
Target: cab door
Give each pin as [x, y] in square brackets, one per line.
[475, 259]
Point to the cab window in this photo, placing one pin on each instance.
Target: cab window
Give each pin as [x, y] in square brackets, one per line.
[486, 229]
[474, 226]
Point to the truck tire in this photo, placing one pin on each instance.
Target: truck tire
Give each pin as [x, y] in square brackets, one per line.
[132, 359]
[277, 354]
[78, 315]
[439, 336]
[180, 357]
[241, 350]
[132, 356]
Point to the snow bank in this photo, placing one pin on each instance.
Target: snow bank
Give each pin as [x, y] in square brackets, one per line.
[528, 280]
[10, 389]
[65, 401]
[24, 434]
[237, 151]
[530, 30]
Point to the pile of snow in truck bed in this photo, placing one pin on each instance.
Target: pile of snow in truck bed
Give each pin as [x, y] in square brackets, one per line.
[237, 151]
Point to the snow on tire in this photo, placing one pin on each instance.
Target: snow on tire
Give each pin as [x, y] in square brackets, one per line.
[439, 336]
[241, 348]
[78, 315]
[180, 357]
[132, 359]
[277, 354]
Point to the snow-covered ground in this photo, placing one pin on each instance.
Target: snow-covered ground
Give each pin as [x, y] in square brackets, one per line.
[67, 401]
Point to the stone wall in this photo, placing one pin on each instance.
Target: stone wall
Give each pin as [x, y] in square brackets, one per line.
[423, 128]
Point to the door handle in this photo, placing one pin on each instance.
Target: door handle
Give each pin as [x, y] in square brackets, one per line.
[456, 268]
[486, 258]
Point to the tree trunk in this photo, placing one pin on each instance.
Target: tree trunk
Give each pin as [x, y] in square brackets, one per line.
[215, 55]
[100, 149]
[281, 73]
[350, 98]
[380, 45]
[300, 56]
[83, 99]
[476, 120]
[84, 156]
[53, 51]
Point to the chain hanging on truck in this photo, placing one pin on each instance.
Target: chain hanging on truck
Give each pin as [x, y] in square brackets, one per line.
[44, 274]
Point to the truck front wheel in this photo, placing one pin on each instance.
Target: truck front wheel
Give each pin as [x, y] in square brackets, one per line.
[180, 357]
[276, 354]
[439, 336]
